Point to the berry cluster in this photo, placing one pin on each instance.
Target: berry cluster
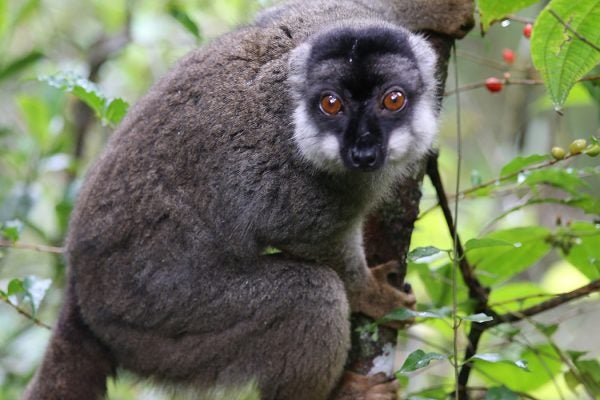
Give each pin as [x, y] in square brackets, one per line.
[496, 85]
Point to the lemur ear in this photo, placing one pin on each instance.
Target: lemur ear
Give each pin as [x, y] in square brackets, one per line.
[298, 64]
[427, 58]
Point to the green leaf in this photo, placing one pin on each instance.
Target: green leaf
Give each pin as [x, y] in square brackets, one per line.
[584, 254]
[501, 393]
[3, 17]
[479, 318]
[560, 56]
[403, 314]
[11, 230]
[31, 288]
[15, 287]
[36, 289]
[116, 110]
[486, 242]
[497, 264]
[491, 11]
[437, 282]
[575, 355]
[589, 370]
[20, 64]
[423, 252]
[184, 19]
[519, 163]
[515, 296]
[497, 358]
[543, 364]
[38, 117]
[270, 250]
[593, 86]
[567, 180]
[110, 111]
[419, 359]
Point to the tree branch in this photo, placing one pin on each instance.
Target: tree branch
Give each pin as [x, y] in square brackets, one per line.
[561, 299]
[27, 246]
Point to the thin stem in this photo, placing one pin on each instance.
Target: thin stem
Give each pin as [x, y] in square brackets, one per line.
[455, 320]
[507, 81]
[28, 246]
[26, 314]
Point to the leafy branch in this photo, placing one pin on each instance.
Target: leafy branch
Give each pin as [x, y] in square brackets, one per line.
[508, 80]
[508, 176]
[479, 293]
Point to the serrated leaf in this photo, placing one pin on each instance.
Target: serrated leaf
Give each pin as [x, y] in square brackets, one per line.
[109, 110]
[560, 56]
[423, 252]
[479, 318]
[500, 393]
[184, 19]
[419, 359]
[520, 162]
[496, 10]
[486, 242]
[21, 63]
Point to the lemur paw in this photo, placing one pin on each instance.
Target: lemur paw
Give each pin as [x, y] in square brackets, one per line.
[378, 297]
[361, 387]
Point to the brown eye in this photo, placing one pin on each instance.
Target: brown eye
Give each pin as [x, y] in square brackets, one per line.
[331, 104]
[394, 100]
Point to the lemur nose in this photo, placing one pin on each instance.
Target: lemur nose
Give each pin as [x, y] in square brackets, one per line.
[363, 157]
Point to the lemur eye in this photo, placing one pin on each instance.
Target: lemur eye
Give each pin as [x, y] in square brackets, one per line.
[331, 104]
[394, 101]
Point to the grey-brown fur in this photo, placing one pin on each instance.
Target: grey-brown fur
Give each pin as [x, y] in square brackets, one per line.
[167, 277]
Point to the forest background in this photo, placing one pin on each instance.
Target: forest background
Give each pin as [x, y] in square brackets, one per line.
[528, 215]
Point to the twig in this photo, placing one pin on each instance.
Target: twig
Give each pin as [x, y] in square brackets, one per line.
[510, 81]
[477, 291]
[573, 31]
[521, 19]
[455, 266]
[28, 246]
[26, 314]
[561, 299]
[496, 181]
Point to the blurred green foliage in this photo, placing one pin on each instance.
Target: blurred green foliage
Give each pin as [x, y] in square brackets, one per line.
[69, 69]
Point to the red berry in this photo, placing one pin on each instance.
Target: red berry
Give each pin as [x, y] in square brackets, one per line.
[509, 56]
[494, 85]
[527, 30]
